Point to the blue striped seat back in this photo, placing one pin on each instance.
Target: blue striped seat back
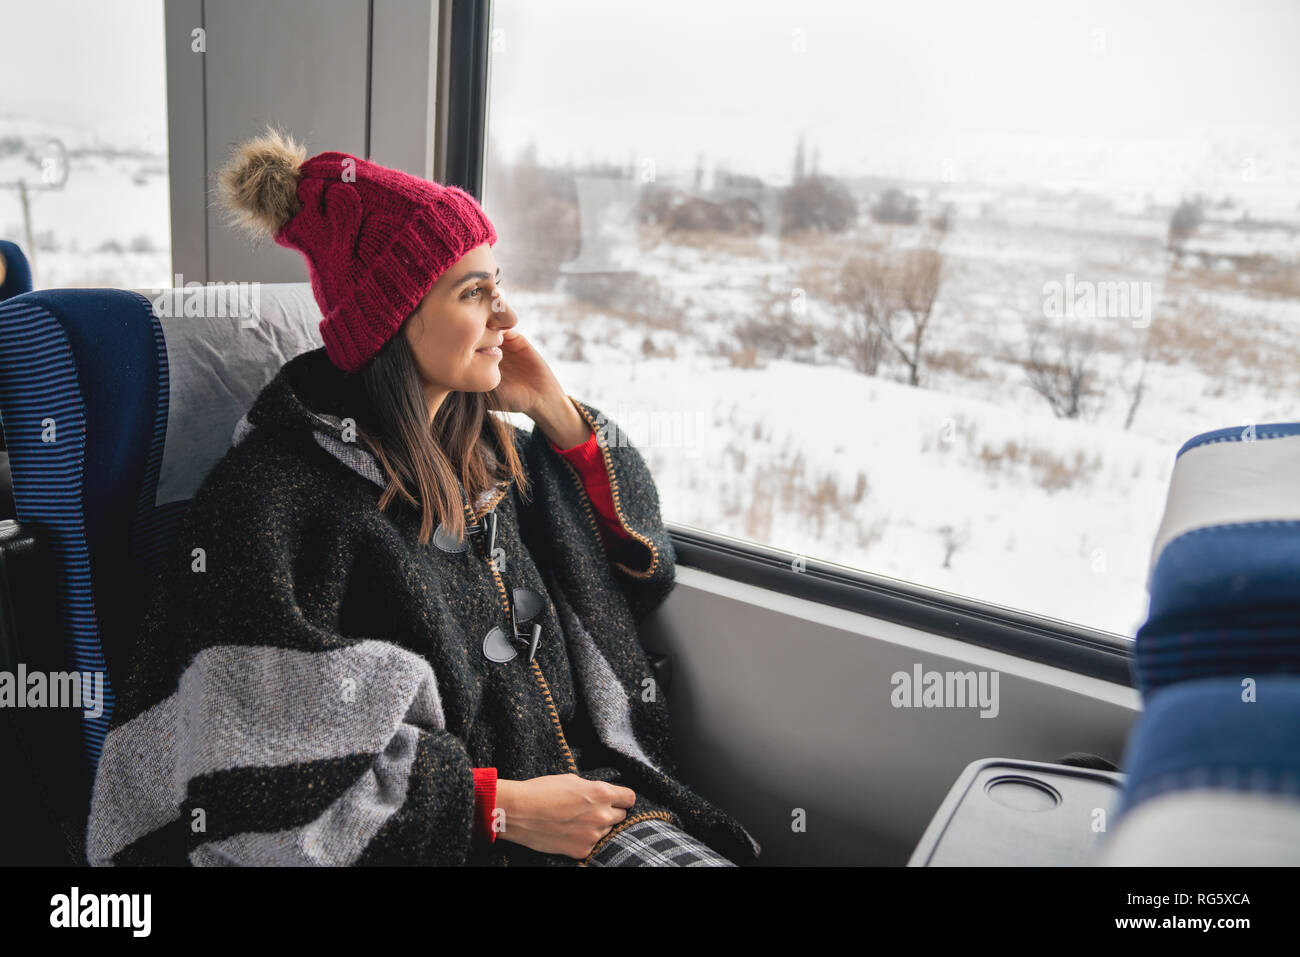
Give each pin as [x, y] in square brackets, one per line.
[116, 403]
[1218, 658]
[1225, 567]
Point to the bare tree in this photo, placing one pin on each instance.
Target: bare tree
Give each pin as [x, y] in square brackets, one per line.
[1186, 219]
[869, 292]
[1061, 366]
[895, 206]
[822, 203]
[798, 173]
[536, 212]
[918, 278]
[953, 539]
[1135, 391]
[879, 291]
[942, 222]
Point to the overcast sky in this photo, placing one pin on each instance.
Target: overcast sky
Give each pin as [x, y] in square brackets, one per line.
[725, 77]
[97, 64]
[675, 78]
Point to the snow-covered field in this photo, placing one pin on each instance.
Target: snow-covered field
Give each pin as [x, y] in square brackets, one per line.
[109, 224]
[967, 483]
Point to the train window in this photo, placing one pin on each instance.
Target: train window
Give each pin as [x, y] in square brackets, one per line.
[83, 142]
[932, 290]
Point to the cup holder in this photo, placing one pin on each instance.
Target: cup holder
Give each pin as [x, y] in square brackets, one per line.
[1022, 793]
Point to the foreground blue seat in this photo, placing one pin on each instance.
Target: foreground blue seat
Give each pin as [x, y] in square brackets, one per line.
[1213, 763]
[115, 404]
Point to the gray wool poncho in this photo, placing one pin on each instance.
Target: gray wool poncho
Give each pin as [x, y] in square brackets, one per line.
[311, 686]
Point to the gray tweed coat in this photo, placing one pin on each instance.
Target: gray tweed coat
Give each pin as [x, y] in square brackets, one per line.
[312, 686]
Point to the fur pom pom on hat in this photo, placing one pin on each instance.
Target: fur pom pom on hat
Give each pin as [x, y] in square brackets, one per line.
[375, 239]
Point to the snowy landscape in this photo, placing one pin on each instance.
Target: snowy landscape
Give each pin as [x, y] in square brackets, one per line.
[724, 358]
[1027, 464]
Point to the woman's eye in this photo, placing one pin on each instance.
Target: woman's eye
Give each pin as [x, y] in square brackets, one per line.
[478, 289]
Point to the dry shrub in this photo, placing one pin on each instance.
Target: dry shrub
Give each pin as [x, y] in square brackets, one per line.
[651, 351]
[776, 336]
[1062, 366]
[813, 246]
[860, 488]
[741, 245]
[758, 516]
[959, 362]
[1054, 473]
[571, 351]
[1049, 471]
[995, 458]
[783, 483]
[870, 533]
[632, 297]
[743, 358]
[1252, 273]
[1226, 345]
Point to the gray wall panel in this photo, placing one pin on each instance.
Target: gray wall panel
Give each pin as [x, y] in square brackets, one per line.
[301, 64]
[186, 159]
[403, 92]
[306, 66]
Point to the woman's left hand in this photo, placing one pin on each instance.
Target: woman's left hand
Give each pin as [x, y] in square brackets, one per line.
[529, 386]
[526, 379]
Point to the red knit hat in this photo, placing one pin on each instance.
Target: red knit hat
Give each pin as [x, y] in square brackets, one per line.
[375, 239]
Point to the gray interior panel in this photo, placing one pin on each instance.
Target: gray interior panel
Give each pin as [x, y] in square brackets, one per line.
[781, 705]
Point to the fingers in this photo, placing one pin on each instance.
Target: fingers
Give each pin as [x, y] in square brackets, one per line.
[509, 338]
[620, 796]
[613, 819]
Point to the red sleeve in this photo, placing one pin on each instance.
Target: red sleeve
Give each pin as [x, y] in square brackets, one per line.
[590, 463]
[485, 802]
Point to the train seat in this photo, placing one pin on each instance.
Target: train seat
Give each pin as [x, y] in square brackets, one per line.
[116, 403]
[1213, 763]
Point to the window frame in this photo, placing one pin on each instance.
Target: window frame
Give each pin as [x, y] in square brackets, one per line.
[1067, 645]
[463, 111]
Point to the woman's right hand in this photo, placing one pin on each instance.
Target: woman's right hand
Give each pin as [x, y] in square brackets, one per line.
[561, 813]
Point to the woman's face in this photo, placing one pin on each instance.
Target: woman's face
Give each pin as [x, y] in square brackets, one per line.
[455, 327]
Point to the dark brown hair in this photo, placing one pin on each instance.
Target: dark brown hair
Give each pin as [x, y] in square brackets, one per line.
[423, 461]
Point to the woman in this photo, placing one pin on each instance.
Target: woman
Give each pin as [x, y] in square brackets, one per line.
[392, 627]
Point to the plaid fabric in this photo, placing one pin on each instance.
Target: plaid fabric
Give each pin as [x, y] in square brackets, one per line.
[656, 843]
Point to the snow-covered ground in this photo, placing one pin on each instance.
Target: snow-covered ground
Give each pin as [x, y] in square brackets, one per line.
[108, 224]
[969, 483]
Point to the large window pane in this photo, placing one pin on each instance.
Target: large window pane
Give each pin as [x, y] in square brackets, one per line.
[934, 290]
[83, 142]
